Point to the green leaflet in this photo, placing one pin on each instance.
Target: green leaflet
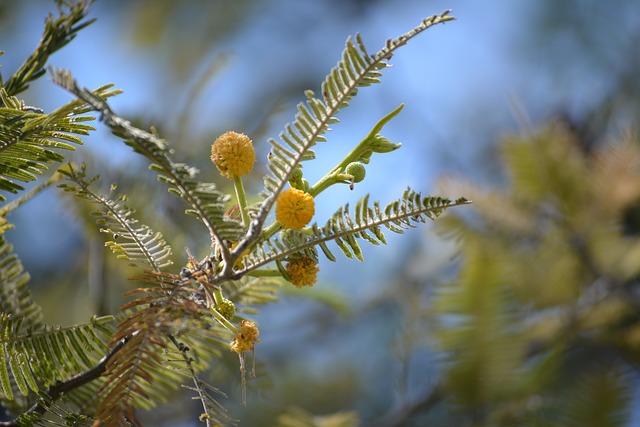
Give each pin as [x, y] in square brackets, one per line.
[5, 382]
[135, 243]
[205, 201]
[58, 32]
[346, 230]
[15, 297]
[29, 140]
[39, 357]
[248, 292]
[356, 69]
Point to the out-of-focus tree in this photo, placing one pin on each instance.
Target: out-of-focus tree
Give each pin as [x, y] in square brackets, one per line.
[542, 326]
[539, 325]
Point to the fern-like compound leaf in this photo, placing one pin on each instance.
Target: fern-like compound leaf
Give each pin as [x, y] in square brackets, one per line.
[135, 243]
[356, 69]
[57, 33]
[347, 229]
[30, 140]
[249, 292]
[205, 201]
[15, 297]
[33, 358]
[184, 363]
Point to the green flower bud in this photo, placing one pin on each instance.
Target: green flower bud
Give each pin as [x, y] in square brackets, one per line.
[227, 309]
[380, 144]
[296, 175]
[295, 180]
[365, 157]
[357, 170]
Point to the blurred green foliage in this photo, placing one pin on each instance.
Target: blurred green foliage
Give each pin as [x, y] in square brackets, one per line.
[541, 326]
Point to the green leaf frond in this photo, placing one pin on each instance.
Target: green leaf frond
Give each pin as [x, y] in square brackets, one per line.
[28, 137]
[30, 140]
[61, 413]
[205, 201]
[249, 292]
[57, 33]
[483, 346]
[15, 297]
[345, 230]
[137, 244]
[33, 358]
[356, 69]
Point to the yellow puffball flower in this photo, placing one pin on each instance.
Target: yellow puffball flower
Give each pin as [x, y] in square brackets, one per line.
[233, 154]
[246, 338]
[303, 272]
[294, 208]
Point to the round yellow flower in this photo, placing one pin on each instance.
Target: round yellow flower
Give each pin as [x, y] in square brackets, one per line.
[233, 154]
[303, 272]
[294, 208]
[246, 338]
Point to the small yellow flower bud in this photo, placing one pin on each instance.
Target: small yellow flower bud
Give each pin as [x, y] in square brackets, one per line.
[303, 272]
[246, 338]
[294, 208]
[233, 154]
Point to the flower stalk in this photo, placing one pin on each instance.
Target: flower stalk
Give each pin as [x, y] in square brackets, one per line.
[242, 199]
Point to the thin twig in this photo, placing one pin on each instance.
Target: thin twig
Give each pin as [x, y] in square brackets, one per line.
[196, 381]
[58, 389]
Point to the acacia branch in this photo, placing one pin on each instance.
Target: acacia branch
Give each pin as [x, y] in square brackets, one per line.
[56, 390]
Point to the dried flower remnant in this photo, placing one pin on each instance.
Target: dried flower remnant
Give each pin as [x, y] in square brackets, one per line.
[246, 338]
[303, 272]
